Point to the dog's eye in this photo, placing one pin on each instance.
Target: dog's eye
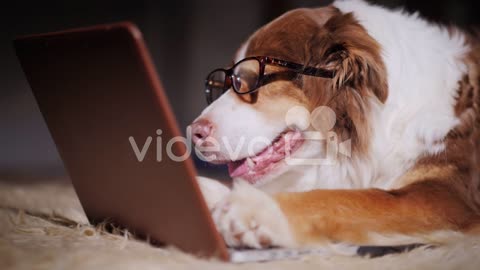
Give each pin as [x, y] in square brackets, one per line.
[245, 82]
[245, 76]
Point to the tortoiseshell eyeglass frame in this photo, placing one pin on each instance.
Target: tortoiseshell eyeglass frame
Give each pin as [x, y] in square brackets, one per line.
[263, 61]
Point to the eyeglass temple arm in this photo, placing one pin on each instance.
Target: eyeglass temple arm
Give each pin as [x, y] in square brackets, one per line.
[318, 72]
[305, 70]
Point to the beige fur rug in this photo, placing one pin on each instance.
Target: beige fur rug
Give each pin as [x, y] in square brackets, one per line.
[42, 226]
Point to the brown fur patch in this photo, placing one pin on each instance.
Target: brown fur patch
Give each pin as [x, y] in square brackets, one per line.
[350, 215]
[426, 171]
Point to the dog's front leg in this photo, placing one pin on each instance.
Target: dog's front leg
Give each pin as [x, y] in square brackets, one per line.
[360, 216]
[249, 217]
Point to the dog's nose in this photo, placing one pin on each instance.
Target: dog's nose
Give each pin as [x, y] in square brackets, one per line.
[201, 129]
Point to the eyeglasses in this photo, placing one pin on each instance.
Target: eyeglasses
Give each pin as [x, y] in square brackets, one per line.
[247, 75]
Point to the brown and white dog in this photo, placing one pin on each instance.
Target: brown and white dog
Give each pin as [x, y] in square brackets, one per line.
[406, 95]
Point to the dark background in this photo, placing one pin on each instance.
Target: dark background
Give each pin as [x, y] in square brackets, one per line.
[186, 39]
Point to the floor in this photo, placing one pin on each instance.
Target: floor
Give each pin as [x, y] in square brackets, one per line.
[42, 226]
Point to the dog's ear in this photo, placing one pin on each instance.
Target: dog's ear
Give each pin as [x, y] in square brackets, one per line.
[343, 46]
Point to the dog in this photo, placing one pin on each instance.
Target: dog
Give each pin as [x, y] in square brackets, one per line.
[397, 99]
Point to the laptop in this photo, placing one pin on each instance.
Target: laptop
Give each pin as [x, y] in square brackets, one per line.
[110, 119]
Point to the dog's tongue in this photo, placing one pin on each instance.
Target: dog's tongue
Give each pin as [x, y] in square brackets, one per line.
[252, 168]
[237, 168]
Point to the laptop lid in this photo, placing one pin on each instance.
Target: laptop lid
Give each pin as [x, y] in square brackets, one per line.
[103, 103]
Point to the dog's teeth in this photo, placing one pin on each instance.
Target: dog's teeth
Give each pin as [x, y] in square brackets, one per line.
[250, 163]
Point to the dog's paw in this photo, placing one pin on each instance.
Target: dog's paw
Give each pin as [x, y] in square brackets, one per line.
[213, 191]
[248, 217]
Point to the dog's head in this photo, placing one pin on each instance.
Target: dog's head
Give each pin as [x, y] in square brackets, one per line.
[264, 134]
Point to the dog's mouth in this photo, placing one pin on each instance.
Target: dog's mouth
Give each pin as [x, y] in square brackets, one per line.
[253, 168]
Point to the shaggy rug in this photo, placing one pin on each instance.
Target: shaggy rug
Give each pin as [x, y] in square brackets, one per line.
[42, 226]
